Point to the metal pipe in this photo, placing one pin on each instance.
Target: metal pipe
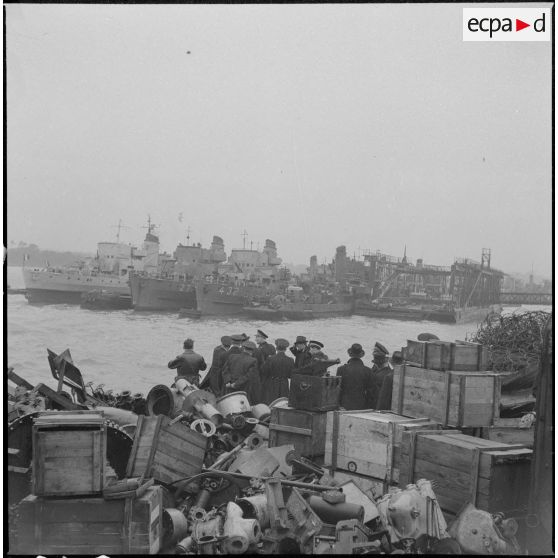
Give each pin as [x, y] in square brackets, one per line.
[296, 484]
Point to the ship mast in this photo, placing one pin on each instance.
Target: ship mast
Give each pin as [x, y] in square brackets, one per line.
[119, 227]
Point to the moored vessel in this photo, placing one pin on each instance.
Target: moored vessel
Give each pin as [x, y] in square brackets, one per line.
[108, 271]
[467, 291]
[172, 288]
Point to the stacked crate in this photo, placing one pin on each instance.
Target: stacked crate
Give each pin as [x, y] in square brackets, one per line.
[490, 475]
[448, 383]
[66, 512]
[303, 423]
[364, 447]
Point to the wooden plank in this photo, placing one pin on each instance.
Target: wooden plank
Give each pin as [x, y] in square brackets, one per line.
[182, 458]
[509, 435]
[445, 478]
[18, 380]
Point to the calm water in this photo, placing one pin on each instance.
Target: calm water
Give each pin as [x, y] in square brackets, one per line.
[129, 350]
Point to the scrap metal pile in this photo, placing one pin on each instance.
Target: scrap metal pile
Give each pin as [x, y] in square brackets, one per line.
[515, 343]
[213, 484]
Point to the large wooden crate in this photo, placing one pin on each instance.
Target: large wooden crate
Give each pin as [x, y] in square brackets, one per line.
[69, 453]
[303, 429]
[490, 475]
[458, 399]
[509, 431]
[166, 452]
[314, 393]
[90, 525]
[444, 355]
[368, 442]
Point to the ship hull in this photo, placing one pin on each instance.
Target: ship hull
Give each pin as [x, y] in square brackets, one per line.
[213, 299]
[167, 295]
[300, 311]
[457, 315]
[102, 300]
[48, 287]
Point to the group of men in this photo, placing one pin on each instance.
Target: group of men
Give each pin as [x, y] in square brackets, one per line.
[263, 370]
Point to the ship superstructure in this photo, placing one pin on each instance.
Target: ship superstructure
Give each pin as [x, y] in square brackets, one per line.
[109, 271]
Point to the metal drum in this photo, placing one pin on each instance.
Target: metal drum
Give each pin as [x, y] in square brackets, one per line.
[162, 400]
[235, 402]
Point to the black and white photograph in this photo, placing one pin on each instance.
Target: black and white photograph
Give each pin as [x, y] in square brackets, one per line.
[278, 278]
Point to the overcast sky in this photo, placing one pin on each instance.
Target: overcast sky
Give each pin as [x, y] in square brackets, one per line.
[373, 126]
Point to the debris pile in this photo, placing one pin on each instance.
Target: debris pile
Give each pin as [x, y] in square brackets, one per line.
[515, 343]
[206, 475]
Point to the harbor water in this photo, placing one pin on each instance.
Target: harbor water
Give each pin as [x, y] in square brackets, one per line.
[124, 349]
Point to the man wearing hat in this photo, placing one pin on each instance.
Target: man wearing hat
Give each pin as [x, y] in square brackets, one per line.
[240, 373]
[188, 364]
[301, 352]
[213, 379]
[356, 381]
[319, 362]
[380, 371]
[264, 350]
[275, 373]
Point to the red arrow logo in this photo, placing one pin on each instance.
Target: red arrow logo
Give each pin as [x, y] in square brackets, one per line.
[519, 25]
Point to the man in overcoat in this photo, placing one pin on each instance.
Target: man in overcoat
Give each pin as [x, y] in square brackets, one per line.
[356, 381]
[264, 350]
[381, 372]
[240, 373]
[213, 379]
[301, 351]
[275, 373]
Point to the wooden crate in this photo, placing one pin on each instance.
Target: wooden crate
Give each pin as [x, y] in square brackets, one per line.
[69, 453]
[460, 356]
[368, 442]
[458, 399]
[166, 452]
[508, 431]
[90, 525]
[314, 393]
[490, 475]
[303, 429]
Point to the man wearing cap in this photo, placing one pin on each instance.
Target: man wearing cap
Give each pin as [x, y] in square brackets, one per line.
[275, 373]
[301, 352]
[380, 371]
[356, 381]
[264, 350]
[188, 364]
[213, 379]
[240, 373]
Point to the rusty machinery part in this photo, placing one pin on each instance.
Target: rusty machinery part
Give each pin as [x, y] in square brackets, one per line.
[209, 530]
[213, 481]
[237, 421]
[204, 426]
[240, 533]
[479, 532]
[119, 446]
[185, 546]
[175, 526]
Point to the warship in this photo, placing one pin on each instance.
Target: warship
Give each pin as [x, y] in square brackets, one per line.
[108, 271]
